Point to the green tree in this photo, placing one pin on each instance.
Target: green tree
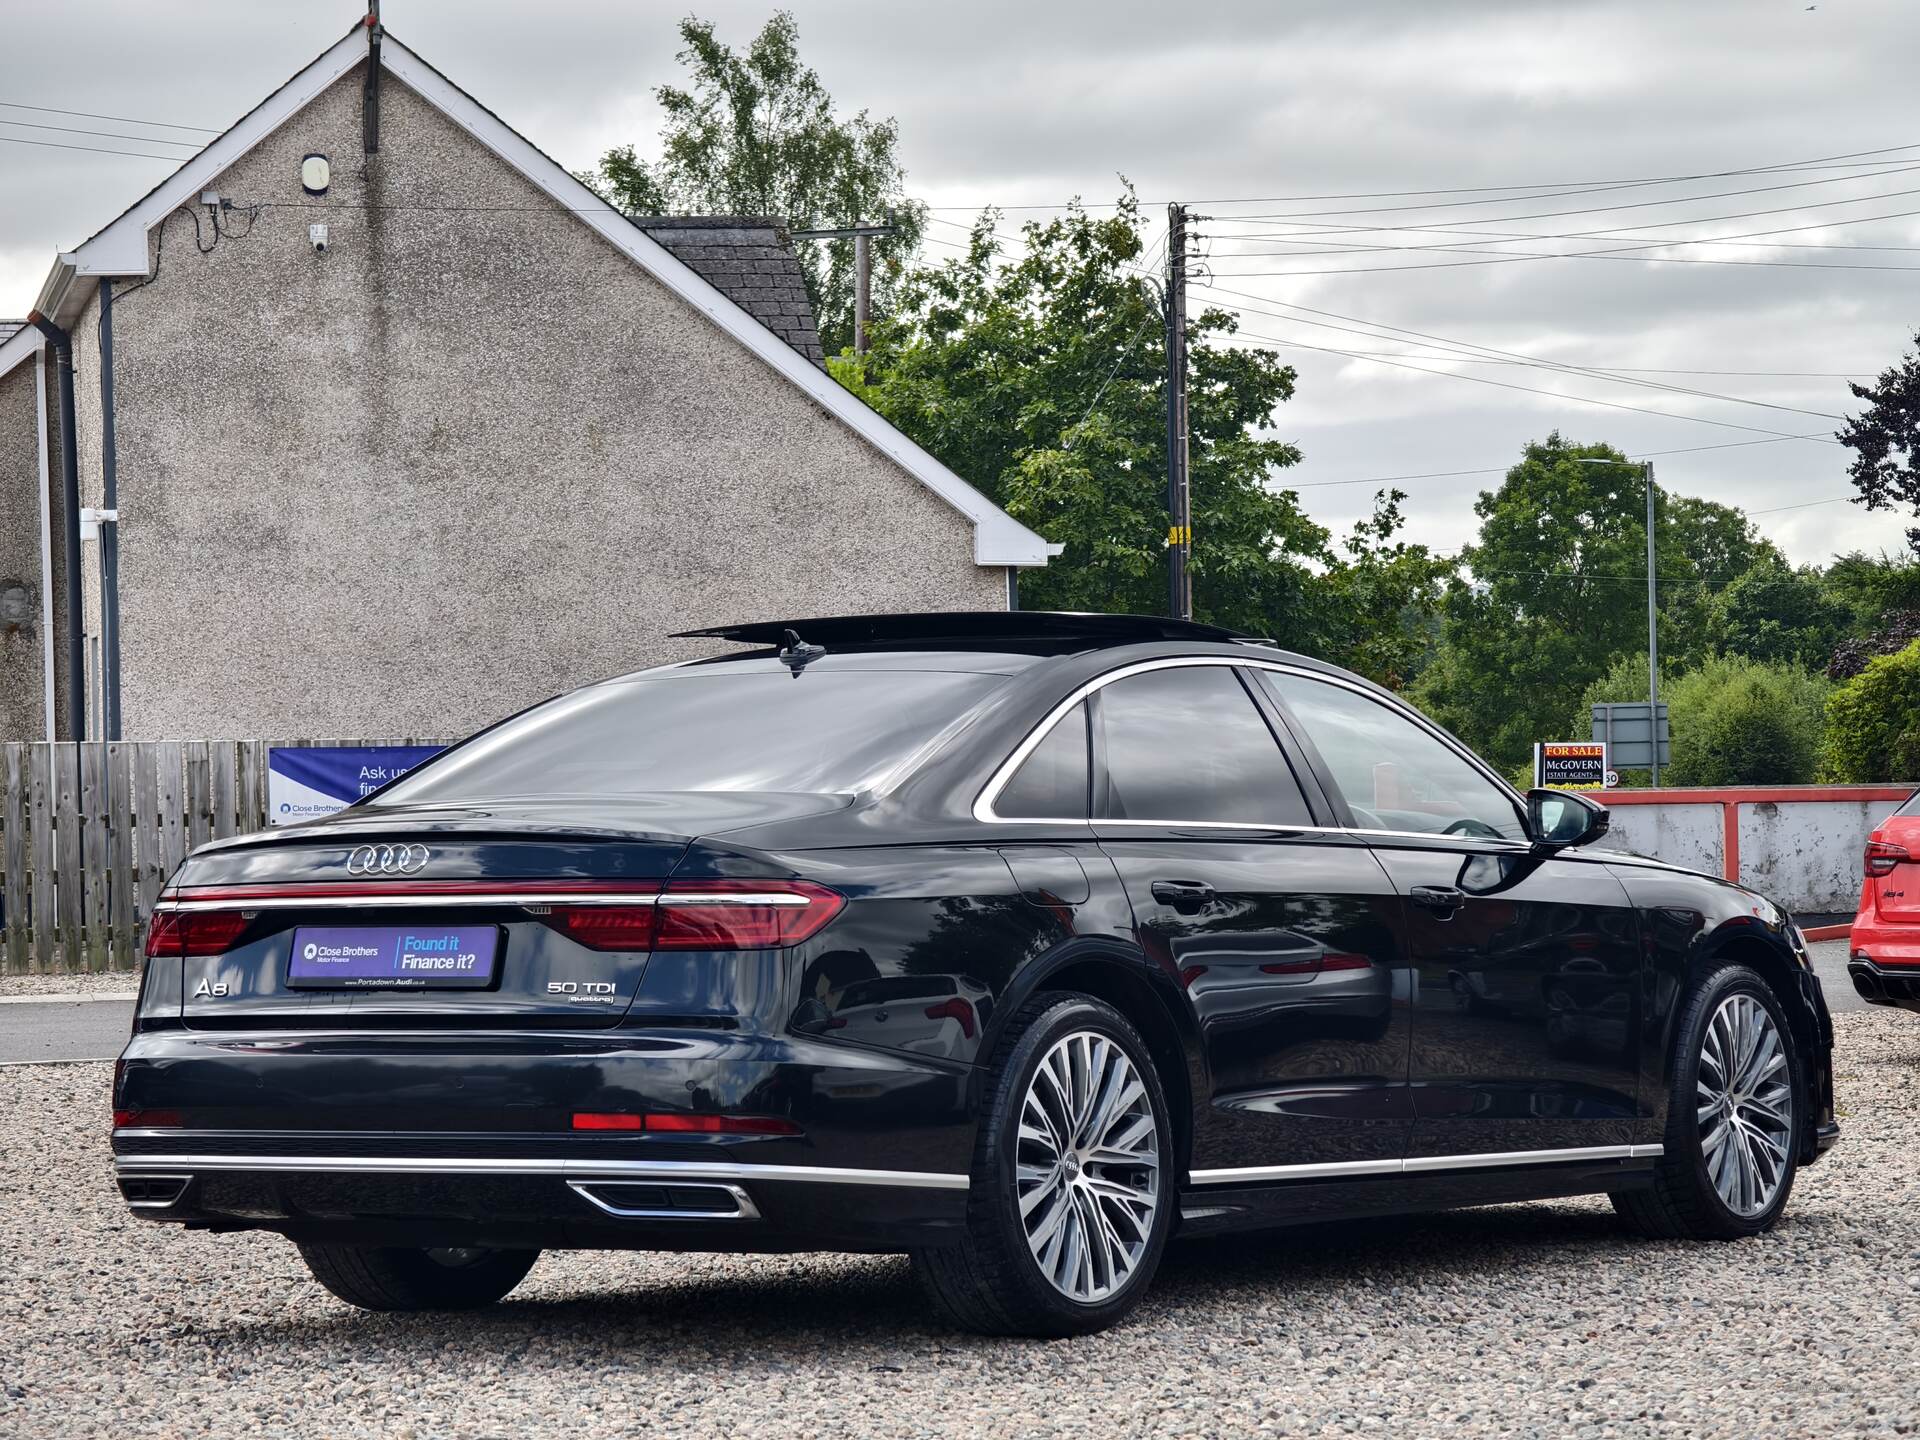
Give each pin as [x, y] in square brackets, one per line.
[1772, 611]
[754, 133]
[1873, 723]
[1040, 378]
[1558, 590]
[1885, 440]
[1735, 721]
[1869, 586]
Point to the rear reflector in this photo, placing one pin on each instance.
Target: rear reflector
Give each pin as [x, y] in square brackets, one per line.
[146, 1119]
[706, 915]
[196, 932]
[1883, 855]
[687, 1124]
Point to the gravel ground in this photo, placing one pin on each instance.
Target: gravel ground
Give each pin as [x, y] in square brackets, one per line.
[1539, 1320]
[112, 982]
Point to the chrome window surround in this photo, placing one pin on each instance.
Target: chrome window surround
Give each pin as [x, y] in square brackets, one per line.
[983, 804]
[508, 898]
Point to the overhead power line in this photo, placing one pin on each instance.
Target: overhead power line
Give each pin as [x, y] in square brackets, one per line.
[102, 134]
[1330, 317]
[94, 149]
[116, 119]
[1527, 389]
[1502, 469]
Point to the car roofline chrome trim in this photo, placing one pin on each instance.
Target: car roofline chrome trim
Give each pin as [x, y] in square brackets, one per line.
[564, 1169]
[983, 810]
[427, 900]
[1424, 1164]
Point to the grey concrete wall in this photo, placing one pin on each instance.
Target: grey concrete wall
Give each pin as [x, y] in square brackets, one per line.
[1689, 835]
[1804, 855]
[1808, 856]
[22, 663]
[469, 457]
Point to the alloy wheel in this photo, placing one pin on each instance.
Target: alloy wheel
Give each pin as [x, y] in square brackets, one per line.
[1087, 1167]
[1745, 1100]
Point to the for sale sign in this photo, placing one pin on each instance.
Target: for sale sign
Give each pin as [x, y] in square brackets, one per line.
[1571, 765]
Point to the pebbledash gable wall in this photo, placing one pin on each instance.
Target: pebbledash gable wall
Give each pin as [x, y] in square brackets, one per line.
[469, 457]
[22, 632]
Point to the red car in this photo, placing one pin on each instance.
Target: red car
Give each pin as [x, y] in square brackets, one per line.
[1885, 963]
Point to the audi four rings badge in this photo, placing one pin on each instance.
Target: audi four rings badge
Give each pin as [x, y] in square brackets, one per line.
[387, 860]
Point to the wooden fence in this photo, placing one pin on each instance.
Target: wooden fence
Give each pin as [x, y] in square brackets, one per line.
[89, 833]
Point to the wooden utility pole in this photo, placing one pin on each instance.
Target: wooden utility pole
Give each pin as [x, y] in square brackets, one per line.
[862, 237]
[1179, 496]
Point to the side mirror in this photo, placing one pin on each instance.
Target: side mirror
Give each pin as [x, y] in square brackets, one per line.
[1557, 819]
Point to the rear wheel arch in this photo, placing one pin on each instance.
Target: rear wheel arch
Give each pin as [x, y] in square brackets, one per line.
[1125, 983]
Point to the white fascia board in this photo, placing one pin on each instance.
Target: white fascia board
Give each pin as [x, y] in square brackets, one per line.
[23, 344]
[998, 539]
[121, 248]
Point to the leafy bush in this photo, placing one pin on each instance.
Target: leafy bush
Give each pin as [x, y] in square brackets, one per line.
[1734, 721]
[1873, 722]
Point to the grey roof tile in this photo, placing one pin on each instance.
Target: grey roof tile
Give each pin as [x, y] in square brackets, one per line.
[750, 260]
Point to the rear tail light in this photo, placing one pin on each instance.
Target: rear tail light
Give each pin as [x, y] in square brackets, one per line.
[954, 1009]
[194, 932]
[686, 1124]
[1883, 855]
[706, 915]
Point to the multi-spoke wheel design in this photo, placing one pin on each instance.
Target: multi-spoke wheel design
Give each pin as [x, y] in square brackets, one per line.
[1088, 1168]
[1745, 1105]
[1734, 1131]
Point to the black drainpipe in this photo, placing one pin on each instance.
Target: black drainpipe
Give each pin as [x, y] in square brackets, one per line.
[109, 529]
[70, 488]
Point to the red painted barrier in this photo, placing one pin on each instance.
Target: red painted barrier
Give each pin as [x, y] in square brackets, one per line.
[1731, 797]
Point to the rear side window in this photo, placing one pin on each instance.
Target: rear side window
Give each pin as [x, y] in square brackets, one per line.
[1051, 783]
[1189, 745]
[1912, 807]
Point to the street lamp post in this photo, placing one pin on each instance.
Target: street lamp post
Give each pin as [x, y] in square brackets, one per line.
[1653, 632]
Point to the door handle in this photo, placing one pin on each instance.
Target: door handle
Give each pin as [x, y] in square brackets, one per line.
[1183, 894]
[1443, 900]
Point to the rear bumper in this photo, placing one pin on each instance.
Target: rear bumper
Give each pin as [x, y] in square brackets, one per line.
[466, 1139]
[1880, 979]
[545, 1204]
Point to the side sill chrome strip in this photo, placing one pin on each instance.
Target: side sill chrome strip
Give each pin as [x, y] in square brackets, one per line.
[564, 1169]
[1424, 1164]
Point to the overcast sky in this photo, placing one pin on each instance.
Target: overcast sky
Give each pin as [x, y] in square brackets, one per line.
[1244, 107]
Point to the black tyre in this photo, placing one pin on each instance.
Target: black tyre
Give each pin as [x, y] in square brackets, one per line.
[1736, 1116]
[391, 1278]
[1074, 1179]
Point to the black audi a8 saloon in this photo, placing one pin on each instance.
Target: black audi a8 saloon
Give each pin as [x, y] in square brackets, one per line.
[1020, 943]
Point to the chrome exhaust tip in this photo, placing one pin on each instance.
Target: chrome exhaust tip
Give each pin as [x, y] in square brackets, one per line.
[638, 1200]
[153, 1192]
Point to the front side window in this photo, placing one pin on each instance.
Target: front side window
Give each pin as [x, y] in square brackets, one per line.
[1188, 744]
[1395, 775]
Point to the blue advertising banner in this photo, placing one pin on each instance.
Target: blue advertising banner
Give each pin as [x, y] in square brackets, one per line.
[308, 782]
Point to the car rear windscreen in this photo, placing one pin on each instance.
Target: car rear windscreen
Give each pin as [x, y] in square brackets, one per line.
[821, 732]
